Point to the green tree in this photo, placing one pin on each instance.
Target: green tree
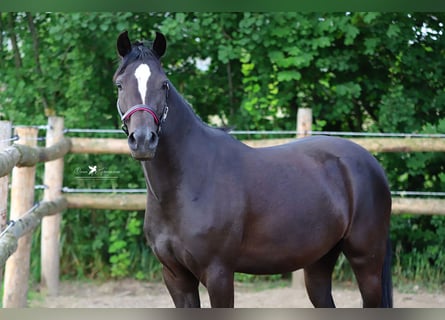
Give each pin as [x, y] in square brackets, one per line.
[358, 71]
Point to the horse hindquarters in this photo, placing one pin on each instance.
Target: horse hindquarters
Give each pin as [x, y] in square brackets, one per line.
[367, 244]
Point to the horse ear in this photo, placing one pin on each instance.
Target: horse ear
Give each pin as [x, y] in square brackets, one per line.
[123, 44]
[160, 44]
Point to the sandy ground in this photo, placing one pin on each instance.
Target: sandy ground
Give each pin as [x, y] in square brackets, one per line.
[137, 294]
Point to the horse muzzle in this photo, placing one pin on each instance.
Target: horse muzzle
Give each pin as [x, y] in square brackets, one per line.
[143, 144]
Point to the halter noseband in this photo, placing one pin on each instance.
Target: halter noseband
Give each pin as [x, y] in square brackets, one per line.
[146, 108]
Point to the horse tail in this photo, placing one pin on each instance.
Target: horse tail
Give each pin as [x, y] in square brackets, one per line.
[387, 301]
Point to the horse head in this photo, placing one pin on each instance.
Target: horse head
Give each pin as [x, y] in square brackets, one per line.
[142, 93]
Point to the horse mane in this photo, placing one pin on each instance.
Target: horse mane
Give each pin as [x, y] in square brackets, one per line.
[226, 129]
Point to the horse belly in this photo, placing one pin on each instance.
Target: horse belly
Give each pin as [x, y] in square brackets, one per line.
[264, 263]
[274, 260]
[287, 246]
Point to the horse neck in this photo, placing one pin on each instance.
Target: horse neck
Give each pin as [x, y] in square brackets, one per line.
[180, 124]
[181, 132]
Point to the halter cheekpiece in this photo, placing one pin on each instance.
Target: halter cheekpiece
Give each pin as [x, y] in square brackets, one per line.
[146, 108]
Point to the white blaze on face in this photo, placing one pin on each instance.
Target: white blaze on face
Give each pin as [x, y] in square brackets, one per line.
[142, 74]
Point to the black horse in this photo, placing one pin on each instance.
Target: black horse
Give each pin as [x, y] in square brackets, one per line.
[216, 206]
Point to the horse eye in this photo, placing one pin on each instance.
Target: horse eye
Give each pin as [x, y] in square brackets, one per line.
[119, 85]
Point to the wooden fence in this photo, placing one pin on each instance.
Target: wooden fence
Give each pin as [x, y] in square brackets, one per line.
[22, 157]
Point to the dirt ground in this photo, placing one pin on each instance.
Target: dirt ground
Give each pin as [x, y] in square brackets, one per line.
[137, 294]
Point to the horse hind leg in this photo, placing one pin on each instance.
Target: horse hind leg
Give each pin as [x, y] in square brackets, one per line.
[220, 286]
[318, 279]
[372, 271]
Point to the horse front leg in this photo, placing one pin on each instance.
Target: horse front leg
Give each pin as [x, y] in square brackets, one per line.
[183, 287]
[219, 283]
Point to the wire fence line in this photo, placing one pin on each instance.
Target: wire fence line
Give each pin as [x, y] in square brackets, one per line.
[16, 137]
[80, 190]
[290, 132]
[418, 193]
[265, 132]
[401, 193]
[11, 223]
[39, 127]
[378, 134]
[13, 138]
[111, 190]
[79, 130]
[254, 132]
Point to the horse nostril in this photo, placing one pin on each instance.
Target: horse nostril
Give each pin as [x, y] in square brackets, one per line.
[132, 141]
[153, 141]
[143, 139]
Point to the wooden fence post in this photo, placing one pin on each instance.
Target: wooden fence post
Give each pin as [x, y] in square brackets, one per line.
[5, 135]
[22, 199]
[304, 122]
[50, 233]
[304, 126]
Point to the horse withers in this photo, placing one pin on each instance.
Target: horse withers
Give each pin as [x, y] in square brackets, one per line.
[216, 206]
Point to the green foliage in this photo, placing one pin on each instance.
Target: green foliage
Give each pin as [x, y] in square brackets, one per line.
[418, 244]
[358, 71]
